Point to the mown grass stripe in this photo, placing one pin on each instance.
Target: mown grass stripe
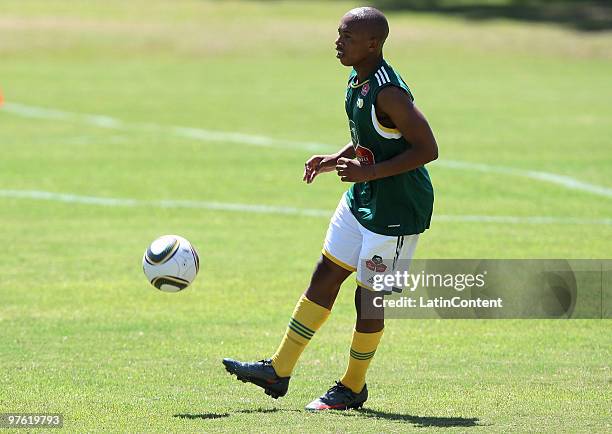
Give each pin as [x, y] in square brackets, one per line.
[283, 210]
[108, 122]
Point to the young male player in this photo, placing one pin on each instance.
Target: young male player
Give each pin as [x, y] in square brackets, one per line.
[378, 221]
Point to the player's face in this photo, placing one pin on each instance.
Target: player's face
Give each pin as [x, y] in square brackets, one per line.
[353, 44]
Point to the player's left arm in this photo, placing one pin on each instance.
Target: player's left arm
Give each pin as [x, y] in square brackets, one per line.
[396, 104]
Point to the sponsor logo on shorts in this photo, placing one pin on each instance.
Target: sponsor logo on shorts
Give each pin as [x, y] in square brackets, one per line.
[376, 264]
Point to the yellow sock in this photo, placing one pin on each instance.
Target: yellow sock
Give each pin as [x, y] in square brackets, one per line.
[363, 348]
[307, 318]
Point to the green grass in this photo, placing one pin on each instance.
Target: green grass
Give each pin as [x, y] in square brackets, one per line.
[84, 334]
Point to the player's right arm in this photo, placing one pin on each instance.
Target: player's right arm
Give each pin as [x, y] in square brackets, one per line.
[326, 163]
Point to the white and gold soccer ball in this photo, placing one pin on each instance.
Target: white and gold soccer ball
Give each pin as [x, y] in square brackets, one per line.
[170, 263]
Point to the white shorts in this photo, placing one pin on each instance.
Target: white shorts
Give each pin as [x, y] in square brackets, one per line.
[355, 248]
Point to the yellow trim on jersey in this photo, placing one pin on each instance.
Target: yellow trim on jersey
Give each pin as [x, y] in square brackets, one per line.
[337, 261]
[382, 127]
[365, 286]
[355, 86]
[387, 133]
[386, 129]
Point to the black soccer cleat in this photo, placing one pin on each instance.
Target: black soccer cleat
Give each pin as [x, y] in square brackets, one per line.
[339, 397]
[261, 374]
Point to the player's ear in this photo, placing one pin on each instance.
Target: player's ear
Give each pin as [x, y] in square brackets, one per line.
[373, 45]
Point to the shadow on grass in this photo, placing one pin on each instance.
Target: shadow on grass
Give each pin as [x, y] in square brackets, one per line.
[221, 415]
[418, 421]
[201, 416]
[587, 15]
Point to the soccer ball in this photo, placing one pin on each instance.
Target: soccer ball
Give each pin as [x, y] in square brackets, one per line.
[170, 263]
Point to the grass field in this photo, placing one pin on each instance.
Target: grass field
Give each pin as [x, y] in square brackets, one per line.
[522, 116]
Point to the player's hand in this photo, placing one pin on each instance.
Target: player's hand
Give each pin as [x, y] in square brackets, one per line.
[351, 170]
[318, 164]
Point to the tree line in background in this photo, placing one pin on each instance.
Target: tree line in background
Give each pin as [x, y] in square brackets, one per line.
[585, 15]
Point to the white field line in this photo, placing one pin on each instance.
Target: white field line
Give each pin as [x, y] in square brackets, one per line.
[562, 180]
[271, 209]
[185, 132]
[248, 139]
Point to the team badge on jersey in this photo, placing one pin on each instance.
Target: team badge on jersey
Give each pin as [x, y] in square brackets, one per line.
[360, 102]
[365, 89]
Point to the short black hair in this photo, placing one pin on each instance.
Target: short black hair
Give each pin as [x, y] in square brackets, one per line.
[373, 20]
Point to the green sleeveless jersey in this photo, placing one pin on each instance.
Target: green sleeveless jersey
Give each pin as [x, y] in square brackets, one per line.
[396, 205]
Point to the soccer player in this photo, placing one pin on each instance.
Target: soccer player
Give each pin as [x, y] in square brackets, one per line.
[377, 222]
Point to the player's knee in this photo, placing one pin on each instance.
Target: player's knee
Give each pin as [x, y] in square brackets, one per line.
[324, 284]
[369, 325]
[324, 280]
